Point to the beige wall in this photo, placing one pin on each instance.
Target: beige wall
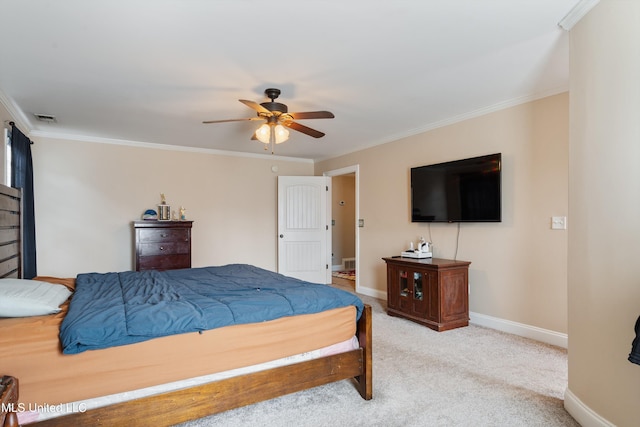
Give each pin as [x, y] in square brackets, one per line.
[603, 267]
[87, 194]
[343, 230]
[518, 271]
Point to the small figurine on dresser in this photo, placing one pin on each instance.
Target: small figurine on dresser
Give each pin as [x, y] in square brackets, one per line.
[150, 215]
[183, 213]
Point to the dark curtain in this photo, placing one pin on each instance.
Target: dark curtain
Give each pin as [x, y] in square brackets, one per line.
[22, 177]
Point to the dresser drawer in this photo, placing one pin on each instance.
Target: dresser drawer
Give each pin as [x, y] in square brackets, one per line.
[163, 248]
[163, 235]
[164, 262]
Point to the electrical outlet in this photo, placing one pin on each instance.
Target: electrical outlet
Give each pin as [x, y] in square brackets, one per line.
[558, 222]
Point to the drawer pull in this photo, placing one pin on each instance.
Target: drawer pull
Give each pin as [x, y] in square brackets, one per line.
[163, 235]
[162, 248]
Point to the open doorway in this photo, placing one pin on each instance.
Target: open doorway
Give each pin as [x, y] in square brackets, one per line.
[344, 230]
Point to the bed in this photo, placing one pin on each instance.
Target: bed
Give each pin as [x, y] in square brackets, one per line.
[175, 378]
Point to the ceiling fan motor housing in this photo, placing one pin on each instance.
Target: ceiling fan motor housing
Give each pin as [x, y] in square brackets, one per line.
[275, 107]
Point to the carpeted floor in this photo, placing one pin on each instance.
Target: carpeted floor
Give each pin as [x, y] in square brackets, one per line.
[470, 376]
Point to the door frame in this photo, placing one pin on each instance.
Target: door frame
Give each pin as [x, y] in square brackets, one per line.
[345, 171]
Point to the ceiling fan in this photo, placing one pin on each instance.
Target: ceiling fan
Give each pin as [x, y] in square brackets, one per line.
[277, 119]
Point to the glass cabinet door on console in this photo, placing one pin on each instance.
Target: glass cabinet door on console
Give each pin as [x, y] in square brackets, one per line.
[410, 291]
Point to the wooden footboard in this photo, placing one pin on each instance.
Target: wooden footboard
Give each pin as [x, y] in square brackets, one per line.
[8, 402]
[365, 338]
[207, 399]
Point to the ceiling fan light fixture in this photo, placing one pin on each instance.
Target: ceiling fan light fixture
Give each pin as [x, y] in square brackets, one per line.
[267, 130]
[263, 133]
[281, 133]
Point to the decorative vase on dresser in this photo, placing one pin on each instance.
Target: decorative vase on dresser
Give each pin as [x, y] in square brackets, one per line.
[433, 291]
[162, 245]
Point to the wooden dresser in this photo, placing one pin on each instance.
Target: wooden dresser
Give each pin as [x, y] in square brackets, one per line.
[432, 291]
[162, 245]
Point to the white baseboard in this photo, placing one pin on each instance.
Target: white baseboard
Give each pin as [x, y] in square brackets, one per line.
[520, 329]
[584, 415]
[527, 331]
[375, 293]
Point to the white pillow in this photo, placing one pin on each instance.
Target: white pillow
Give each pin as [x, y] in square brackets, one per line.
[22, 298]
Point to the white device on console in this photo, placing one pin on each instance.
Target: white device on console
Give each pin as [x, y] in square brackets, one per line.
[425, 250]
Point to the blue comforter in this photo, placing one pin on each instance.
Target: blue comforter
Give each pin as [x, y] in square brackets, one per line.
[122, 308]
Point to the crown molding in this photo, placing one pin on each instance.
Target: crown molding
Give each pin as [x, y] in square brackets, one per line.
[100, 140]
[16, 114]
[576, 14]
[453, 120]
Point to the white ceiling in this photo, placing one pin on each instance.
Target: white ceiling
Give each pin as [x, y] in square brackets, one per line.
[152, 70]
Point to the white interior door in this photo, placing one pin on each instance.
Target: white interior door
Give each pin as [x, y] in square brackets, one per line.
[304, 238]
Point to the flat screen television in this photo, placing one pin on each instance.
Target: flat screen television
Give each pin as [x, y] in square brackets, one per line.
[467, 190]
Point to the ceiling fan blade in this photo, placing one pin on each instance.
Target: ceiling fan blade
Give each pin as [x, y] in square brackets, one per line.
[312, 115]
[304, 129]
[232, 120]
[259, 108]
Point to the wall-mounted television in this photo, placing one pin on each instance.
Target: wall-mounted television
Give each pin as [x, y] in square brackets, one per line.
[467, 190]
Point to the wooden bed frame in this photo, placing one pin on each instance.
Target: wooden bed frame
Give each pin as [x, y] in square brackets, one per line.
[196, 402]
